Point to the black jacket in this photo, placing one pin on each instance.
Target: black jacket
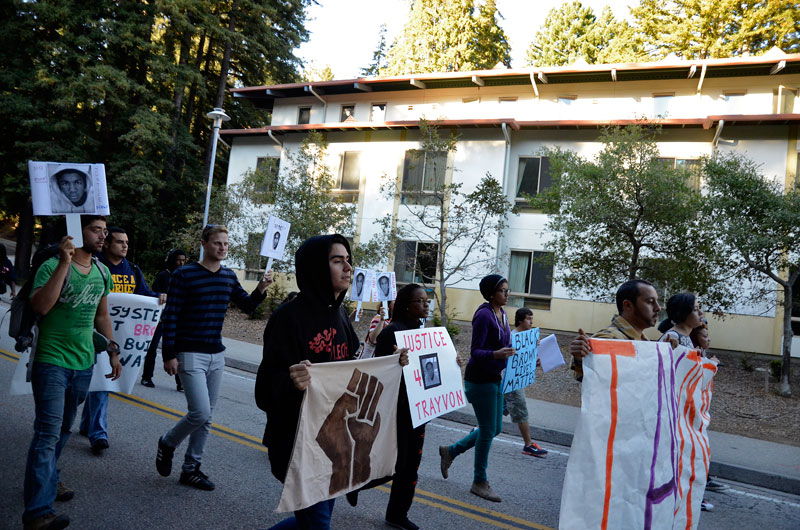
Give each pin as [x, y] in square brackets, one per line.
[312, 326]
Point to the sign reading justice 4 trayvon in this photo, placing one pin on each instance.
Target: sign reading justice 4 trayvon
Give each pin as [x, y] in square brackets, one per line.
[433, 378]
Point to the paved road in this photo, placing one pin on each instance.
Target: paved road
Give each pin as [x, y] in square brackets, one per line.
[122, 490]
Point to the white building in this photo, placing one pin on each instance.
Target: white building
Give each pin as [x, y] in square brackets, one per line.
[504, 117]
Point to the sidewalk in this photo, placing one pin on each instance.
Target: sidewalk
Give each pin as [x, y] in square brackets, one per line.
[748, 460]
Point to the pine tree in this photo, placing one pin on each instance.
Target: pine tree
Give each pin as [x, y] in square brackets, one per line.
[378, 63]
[448, 36]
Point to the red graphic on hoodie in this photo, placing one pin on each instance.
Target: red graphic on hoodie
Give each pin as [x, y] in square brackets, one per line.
[323, 342]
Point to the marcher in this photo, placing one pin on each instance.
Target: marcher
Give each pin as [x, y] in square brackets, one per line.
[175, 260]
[683, 315]
[376, 326]
[7, 274]
[410, 307]
[491, 347]
[62, 363]
[324, 269]
[199, 294]
[515, 400]
[126, 278]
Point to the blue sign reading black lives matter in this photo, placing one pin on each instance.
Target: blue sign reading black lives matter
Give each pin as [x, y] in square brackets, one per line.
[521, 368]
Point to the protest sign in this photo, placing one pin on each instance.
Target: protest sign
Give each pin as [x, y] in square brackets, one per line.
[361, 290]
[59, 188]
[640, 454]
[433, 378]
[550, 354]
[275, 238]
[521, 368]
[133, 319]
[386, 287]
[347, 433]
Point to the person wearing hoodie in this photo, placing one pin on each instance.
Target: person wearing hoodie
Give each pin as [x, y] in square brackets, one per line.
[175, 260]
[311, 328]
[491, 347]
[199, 294]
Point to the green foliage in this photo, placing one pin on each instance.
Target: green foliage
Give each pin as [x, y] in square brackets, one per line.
[775, 368]
[379, 59]
[726, 28]
[747, 361]
[452, 329]
[756, 225]
[128, 84]
[463, 226]
[447, 37]
[572, 31]
[314, 72]
[626, 215]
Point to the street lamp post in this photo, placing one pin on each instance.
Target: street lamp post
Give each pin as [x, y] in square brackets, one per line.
[218, 115]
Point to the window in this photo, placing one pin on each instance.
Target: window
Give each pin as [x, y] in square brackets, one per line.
[533, 176]
[254, 263]
[783, 100]
[349, 176]
[796, 308]
[567, 100]
[422, 173]
[348, 113]
[530, 279]
[691, 165]
[734, 102]
[303, 115]
[415, 262]
[661, 103]
[378, 112]
[266, 177]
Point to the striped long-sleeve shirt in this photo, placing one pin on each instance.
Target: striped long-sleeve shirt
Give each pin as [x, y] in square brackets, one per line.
[196, 307]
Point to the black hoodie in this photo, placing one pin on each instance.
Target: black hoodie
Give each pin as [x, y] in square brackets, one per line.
[312, 326]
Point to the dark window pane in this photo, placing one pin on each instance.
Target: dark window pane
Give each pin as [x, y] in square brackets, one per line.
[304, 115]
[426, 262]
[404, 261]
[435, 166]
[542, 274]
[545, 180]
[528, 176]
[412, 170]
[351, 170]
[348, 113]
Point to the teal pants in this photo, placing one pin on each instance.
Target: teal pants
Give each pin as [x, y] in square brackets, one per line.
[487, 401]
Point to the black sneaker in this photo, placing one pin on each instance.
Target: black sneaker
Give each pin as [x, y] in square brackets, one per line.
[197, 479]
[713, 485]
[352, 498]
[98, 446]
[405, 524]
[164, 458]
[148, 383]
[48, 521]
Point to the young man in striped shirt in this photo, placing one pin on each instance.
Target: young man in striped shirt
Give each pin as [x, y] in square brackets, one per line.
[199, 294]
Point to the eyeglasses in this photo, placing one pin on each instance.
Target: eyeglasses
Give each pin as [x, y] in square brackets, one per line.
[97, 230]
[503, 291]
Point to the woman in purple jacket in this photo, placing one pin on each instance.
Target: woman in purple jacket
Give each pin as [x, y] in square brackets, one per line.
[491, 346]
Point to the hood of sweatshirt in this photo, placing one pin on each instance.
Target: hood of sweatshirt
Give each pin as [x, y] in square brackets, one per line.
[313, 271]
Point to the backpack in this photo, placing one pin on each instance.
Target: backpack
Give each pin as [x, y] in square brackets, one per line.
[23, 318]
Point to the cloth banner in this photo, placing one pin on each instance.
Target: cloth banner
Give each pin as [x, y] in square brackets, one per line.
[640, 454]
[133, 320]
[521, 368]
[433, 378]
[347, 433]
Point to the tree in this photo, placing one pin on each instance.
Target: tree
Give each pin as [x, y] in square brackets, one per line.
[313, 72]
[757, 229]
[379, 59]
[447, 37]
[627, 215]
[727, 28]
[572, 31]
[462, 225]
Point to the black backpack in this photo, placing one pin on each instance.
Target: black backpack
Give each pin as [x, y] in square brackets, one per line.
[23, 318]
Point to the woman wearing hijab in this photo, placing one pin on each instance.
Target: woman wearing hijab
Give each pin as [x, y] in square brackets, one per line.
[491, 347]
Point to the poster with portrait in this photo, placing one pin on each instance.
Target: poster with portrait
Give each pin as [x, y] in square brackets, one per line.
[59, 188]
[275, 238]
[433, 378]
[361, 290]
[385, 287]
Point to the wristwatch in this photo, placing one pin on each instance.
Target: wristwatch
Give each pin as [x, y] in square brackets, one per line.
[112, 347]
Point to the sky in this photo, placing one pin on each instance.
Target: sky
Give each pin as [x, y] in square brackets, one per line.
[344, 33]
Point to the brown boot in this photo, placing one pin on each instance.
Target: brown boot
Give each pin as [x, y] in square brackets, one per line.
[49, 521]
[64, 493]
[483, 489]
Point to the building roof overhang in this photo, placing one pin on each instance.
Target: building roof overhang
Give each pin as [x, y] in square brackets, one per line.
[772, 63]
[707, 122]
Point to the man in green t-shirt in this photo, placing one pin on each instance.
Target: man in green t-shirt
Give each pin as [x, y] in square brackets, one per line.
[63, 361]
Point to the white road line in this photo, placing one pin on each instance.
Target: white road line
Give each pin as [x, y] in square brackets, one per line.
[762, 497]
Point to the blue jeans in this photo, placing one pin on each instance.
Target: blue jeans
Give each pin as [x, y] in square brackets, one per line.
[315, 517]
[487, 401]
[94, 417]
[57, 392]
[201, 375]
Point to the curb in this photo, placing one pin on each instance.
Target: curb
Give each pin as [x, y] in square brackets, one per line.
[736, 473]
